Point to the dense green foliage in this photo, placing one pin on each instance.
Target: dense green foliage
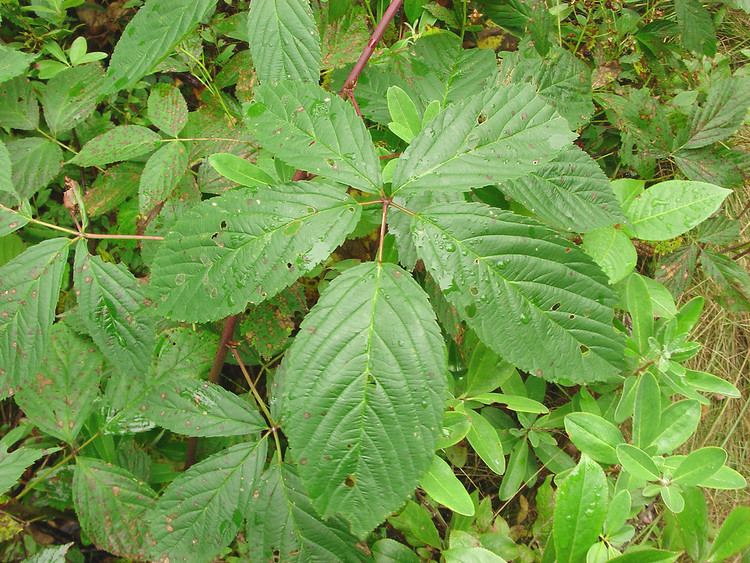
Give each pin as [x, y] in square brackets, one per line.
[394, 315]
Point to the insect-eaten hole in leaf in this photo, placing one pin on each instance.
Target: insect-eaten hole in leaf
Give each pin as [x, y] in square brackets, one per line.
[350, 481]
[223, 225]
[481, 118]
[555, 307]
[584, 349]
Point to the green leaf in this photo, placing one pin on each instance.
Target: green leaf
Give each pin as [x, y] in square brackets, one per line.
[248, 245]
[10, 245]
[662, 302]
[734, 535]
[18, 106]
[407, 122]
[542, 287]
[415, 522]
[239, 170]
[166, 108]
[30, 287]
[473, 554]
[618, 512]
[14, 464]
[646, 555]
[185, 351]
[486, 371]
[515, 473]
[594, 436]
[163, 172]
[491, 137]
[201, 511]
[722, 113]
[627, 189]
[484, 440]
[699, 465]
[60, 398]
[200, 408]
[709, 383]
[13, 63]
[315, 130]
[111, 505]
[612, 250]
[562, 79]
[36, 162]
[112, 187]
[672, 497]
[696, 27]
[54, 554]
[123, 142]
[71, 96]
[678, 423]
[646, 411]
[358, 373]
[637, 462]
[731, 278]
[8, 194]
[115, 311]
[692, 524]
[570, 192]
[512, 402]
[444, 487]
[669, 209]
[151, 35]
[284, 41]
[283, 523]
[386, 550]
[726, 479]
[580, 510]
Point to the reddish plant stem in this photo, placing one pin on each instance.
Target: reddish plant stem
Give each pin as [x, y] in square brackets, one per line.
[347, 90]
[213, 376]
[121, 237]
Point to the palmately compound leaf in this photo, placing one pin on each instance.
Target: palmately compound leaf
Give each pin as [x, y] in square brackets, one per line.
[283, 523]
[362, 394]
[111, 505]
[529, 294]
[668, 209]
[284, 40]
[247, 245]
[491, 137]
[315, 130]
[201, 511]
[151, 36]
[570, 192]
[200, 408]
[580, 510]
[115, 311]
[29, 288]
[59, 398]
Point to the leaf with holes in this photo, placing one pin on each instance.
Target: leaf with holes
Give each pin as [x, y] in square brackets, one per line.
[61, 397]
[111, 505]
[570, 192]
[284, 524]
[161, 175]
[201, 511]
[166, 108]
[29, 289]
[121, 143]
[284, 41]
[247, 245]
[315, 130]
[491, 137]
[514, 282]
[151, 35]
[362, 394]
[200, 408]
[115, 311]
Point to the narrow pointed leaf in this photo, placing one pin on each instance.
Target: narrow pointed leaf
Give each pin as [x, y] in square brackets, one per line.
[362, 389]
[637, 462]
[284, 40]
[484, 440]
[151, 35]
[239, 170]
[283, 523]
[516, 282]
[646, 411]
[315, 130]
[115, 311]
[59, 398]
[494, 136]
[201, 511]
[29, 289]
[580, 510]
[111, 505]
[444, 487]
[200, 408]
[734, 535]
[248, 245]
